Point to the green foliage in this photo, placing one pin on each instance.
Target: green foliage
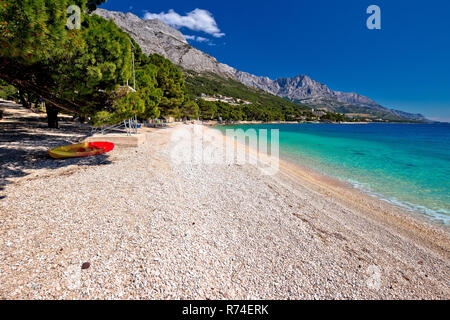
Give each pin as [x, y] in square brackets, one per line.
[170, 81]
[151, 98]
[126, 107]
[94, 69]
[33, 31]
[334, 117]
[208, 109]
[75, 70]
[159, 85]
[8, 92]
[81, 70]
[147, 87]
[190, 110]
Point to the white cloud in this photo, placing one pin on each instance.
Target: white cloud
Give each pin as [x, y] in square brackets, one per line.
[201, 39]
[198, 39]
[196, 20]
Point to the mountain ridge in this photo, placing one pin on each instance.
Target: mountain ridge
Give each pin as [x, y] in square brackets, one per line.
[155, 36]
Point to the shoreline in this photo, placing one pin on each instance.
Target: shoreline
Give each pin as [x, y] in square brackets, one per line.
[428, 215]
[407, 209]
[245, 123]
[392, 215]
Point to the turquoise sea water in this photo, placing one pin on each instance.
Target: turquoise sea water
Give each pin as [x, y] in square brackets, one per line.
[407, 164]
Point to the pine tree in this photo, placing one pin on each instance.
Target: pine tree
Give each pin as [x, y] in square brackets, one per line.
[82, 71]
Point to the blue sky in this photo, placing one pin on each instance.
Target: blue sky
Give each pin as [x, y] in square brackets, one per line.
[405, 65]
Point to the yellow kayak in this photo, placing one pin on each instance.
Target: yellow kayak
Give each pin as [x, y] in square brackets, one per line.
[81, 150]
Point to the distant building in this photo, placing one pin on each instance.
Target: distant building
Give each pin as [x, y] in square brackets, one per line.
[319, 113]
[221, 98]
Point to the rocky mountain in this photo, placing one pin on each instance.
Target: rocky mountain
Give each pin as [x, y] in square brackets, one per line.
[302, 89]
[154, 36]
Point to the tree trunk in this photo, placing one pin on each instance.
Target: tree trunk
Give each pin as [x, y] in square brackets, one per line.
[52, 117]
[24, 100]
[82, 119]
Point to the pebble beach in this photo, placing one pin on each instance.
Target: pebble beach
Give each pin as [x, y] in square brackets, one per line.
[135, 225]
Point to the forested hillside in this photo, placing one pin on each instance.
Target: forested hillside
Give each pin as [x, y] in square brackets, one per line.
[263, 106]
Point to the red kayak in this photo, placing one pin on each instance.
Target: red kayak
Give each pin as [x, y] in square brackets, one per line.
[81, 150]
